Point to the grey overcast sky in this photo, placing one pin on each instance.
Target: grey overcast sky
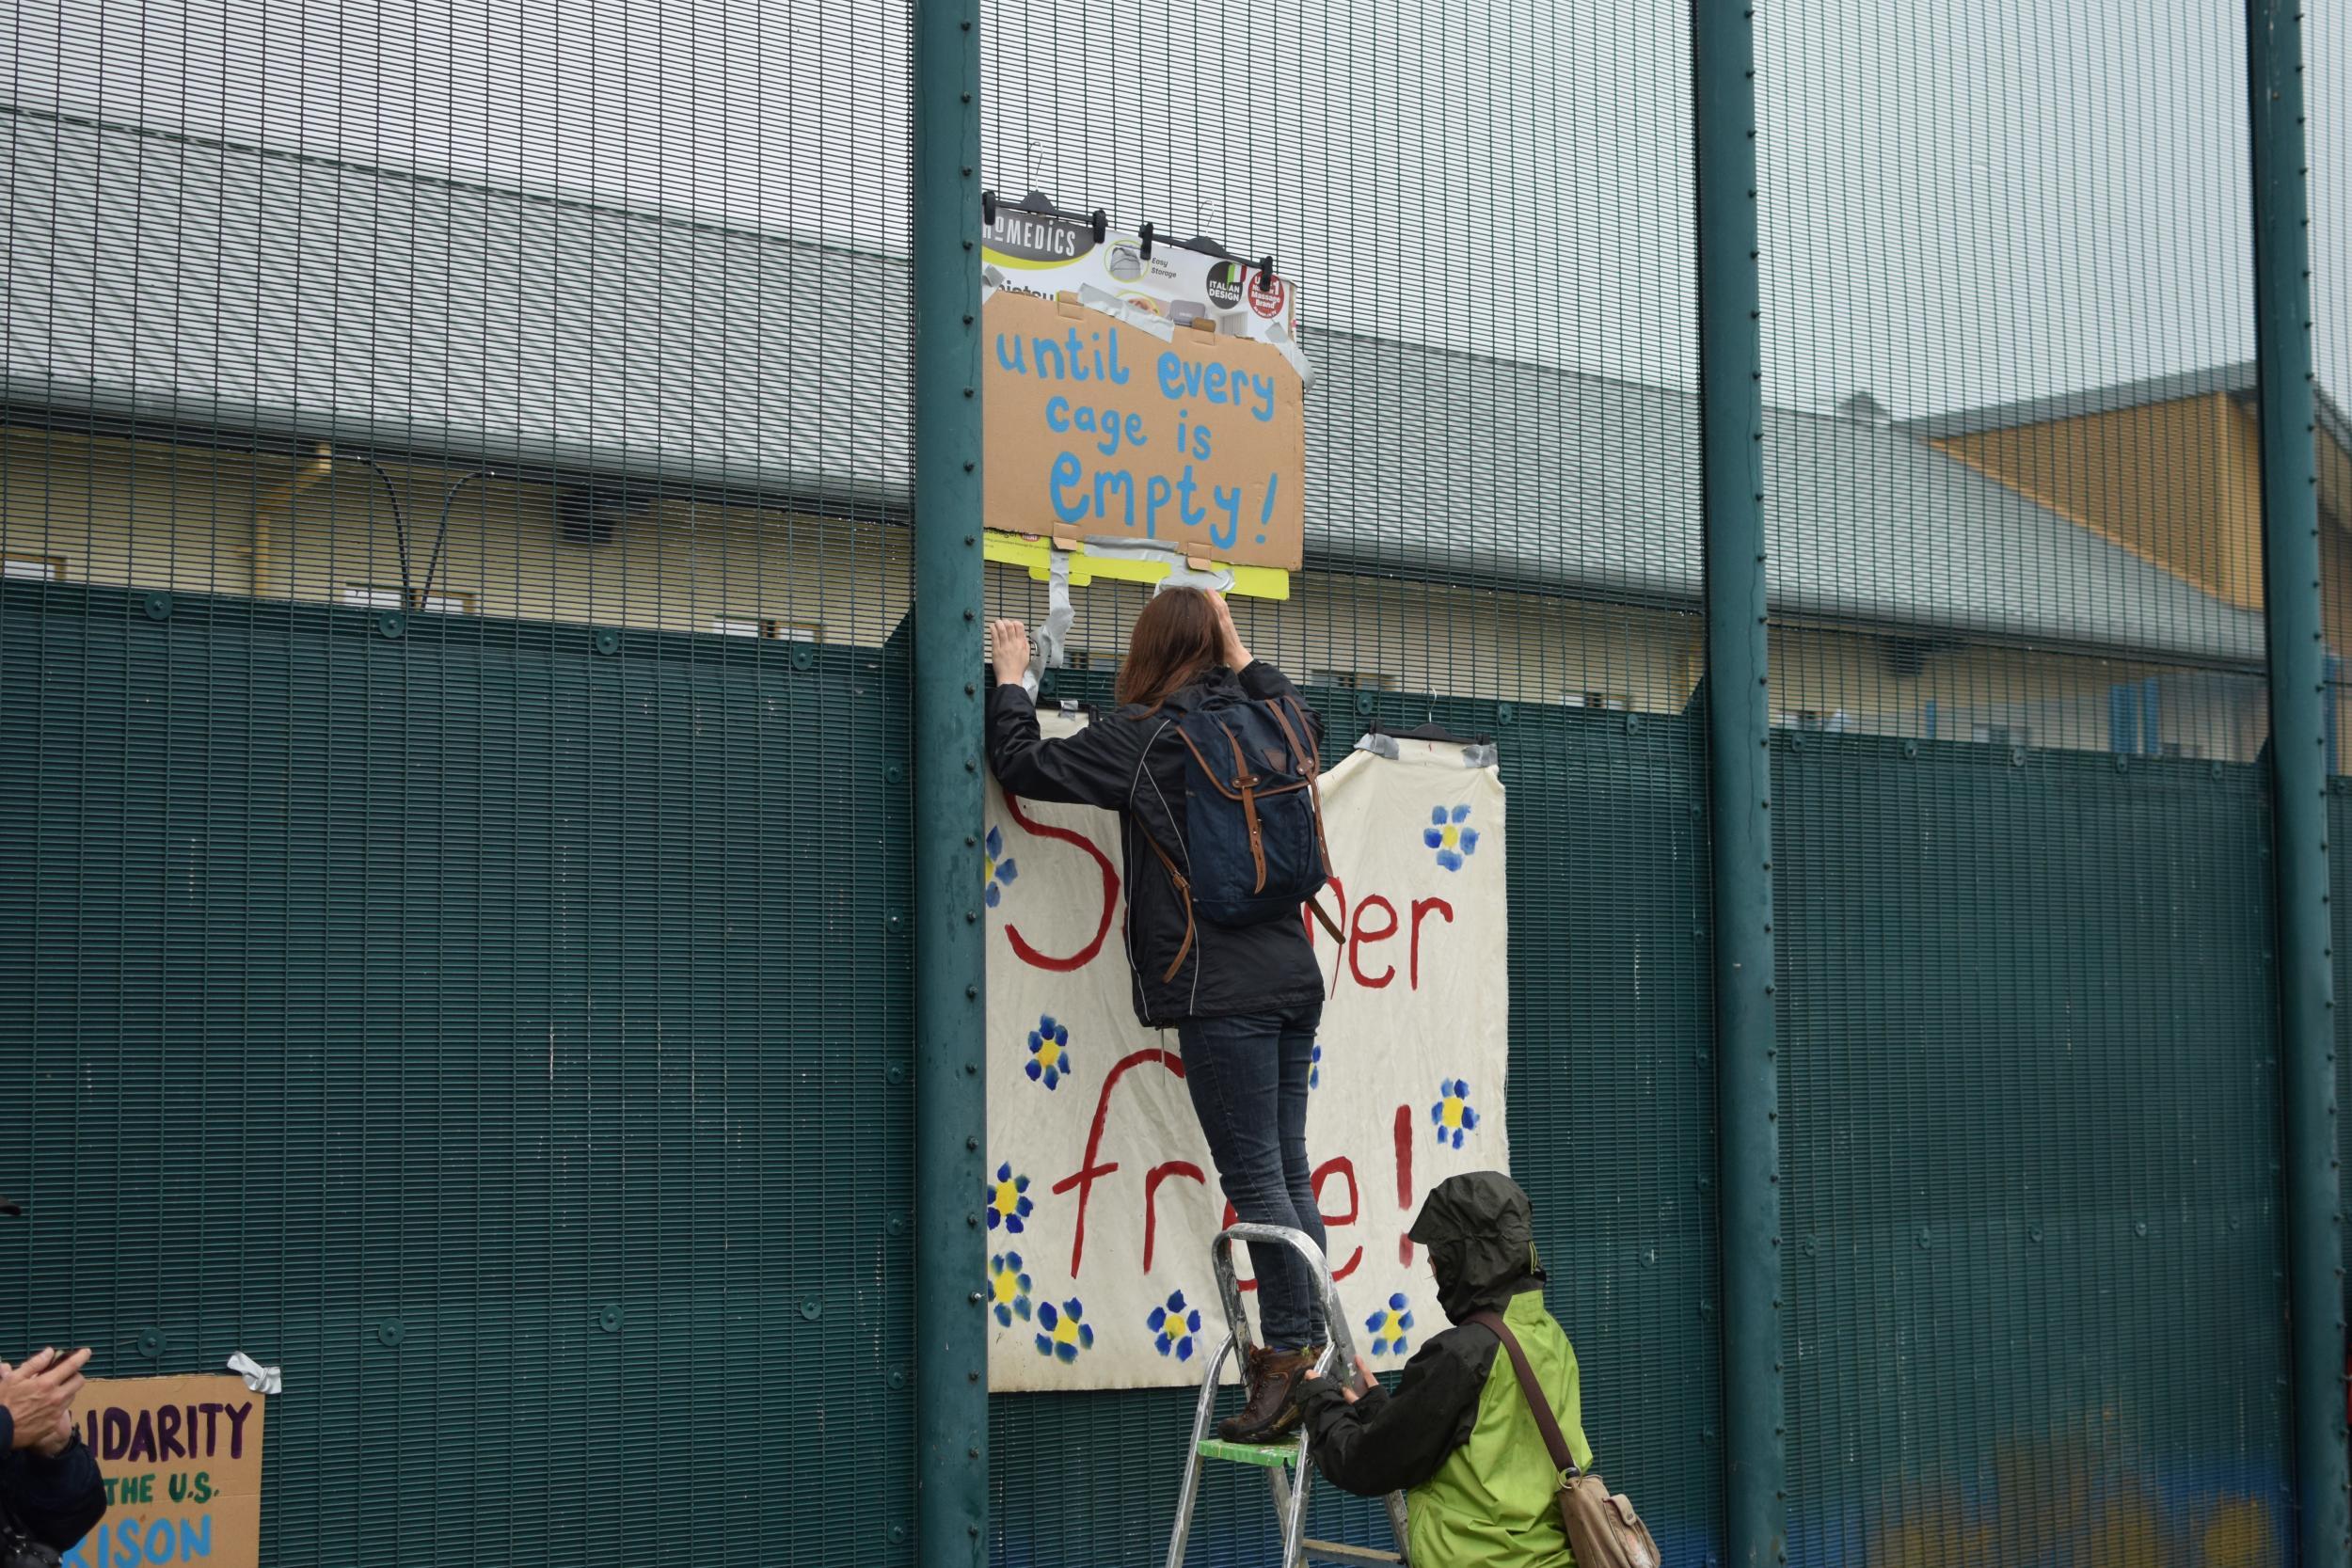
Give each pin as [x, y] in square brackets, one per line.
[1963, 204]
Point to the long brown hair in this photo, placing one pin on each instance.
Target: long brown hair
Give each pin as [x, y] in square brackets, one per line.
[1176, 638]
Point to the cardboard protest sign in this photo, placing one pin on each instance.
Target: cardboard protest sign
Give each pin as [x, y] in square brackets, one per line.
[1102, 1201]
[182, 1460]
[1099, 430]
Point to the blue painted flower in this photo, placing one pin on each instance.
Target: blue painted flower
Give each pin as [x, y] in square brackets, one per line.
[1001, 871]
[1064, 1335]
[1314, 1068]
[1451, 836]
[1174, 1325]
[1049, 1052]
[1389, 1325]
[1009, 1202]
[1451, 1114]
[1008, 1288]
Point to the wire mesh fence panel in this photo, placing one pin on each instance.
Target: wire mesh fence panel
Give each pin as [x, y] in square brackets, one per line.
[1484, 219]
[455, 852]
[2028, 1025]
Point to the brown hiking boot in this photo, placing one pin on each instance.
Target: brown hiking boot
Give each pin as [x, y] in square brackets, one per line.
[1273, 1379]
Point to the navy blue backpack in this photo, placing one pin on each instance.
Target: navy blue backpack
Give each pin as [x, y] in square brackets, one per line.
[1253, 818]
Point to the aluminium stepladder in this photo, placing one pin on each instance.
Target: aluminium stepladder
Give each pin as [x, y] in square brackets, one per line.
[1290, 1454]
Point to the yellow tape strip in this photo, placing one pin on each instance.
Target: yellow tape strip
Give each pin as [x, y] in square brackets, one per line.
[1037, 555]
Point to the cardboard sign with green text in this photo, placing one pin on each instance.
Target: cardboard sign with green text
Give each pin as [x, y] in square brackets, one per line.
[1098, 429]
[181, 1458]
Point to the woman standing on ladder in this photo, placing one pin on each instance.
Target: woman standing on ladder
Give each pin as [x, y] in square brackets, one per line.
[1244, 1000]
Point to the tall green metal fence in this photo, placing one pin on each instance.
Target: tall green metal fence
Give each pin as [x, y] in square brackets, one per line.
[488, 509]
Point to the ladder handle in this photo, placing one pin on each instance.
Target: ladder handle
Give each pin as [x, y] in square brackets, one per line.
[1342, 1349]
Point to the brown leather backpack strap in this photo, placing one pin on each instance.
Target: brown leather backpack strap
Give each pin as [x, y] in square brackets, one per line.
[1303, 759]
[1554, 1439]
[1245, 780]
[1208, 773]
[1310, 767]
[1322, 918]
[1183, 888]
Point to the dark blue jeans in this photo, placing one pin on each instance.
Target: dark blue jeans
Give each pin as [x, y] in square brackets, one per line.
[1247, 1078]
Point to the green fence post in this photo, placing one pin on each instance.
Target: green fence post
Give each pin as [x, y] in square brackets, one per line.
[1739, 779]
[950, 1102]
[2298, 741]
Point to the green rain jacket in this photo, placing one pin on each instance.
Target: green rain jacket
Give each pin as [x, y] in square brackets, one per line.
[1458, 1435]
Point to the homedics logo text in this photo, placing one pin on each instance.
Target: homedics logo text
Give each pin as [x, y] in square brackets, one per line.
[1025, 237]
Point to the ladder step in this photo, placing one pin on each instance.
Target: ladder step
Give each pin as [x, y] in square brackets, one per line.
[1279, 1454]
[1338, 1551]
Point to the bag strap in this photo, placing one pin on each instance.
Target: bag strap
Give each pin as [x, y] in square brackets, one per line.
[1245, 780]
[1322, 918]
[1545, 1422]
[1311, 766]
[1183, 889]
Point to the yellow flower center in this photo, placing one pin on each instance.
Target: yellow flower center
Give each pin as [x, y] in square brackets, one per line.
[1453, 1110]
[1007, 1286]
[1008, 1198]
[1049, 1054]
[1453, 838]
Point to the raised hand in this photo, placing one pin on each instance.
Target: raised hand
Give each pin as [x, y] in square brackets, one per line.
[1009, 651]
[39, 1396]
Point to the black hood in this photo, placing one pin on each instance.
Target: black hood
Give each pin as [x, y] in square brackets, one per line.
[1480, 1231]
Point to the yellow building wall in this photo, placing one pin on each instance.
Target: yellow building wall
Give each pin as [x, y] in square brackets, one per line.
[153, 514]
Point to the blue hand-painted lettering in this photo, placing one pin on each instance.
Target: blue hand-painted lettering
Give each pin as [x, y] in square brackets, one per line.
[1228, 501]
[1066, 475]
[1264, 386]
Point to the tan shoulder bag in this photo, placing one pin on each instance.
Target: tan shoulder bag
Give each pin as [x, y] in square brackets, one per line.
[1603, 1531]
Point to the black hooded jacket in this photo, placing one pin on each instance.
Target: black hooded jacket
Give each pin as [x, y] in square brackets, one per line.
[1132, 761]
[1480, 1233]
[57, 1500]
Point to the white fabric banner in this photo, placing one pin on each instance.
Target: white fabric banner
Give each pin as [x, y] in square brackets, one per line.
[1102, 1200]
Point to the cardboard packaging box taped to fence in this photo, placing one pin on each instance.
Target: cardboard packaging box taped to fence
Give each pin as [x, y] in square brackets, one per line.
[1096, 429]
[182, 1462]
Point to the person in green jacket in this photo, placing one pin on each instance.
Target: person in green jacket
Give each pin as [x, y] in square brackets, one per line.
[1458, 1435]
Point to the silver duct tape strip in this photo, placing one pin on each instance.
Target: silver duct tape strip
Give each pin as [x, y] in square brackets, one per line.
[1286, 346]
[261, 1378]
[1387, 747]
[1048, 645]
[1181, 573]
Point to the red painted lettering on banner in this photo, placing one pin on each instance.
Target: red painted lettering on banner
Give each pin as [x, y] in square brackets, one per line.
[1405, 1178]
[1341, 1165]
[1359, 938]
[1089, 1170]
[1151, 1190]
[1084, 955]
